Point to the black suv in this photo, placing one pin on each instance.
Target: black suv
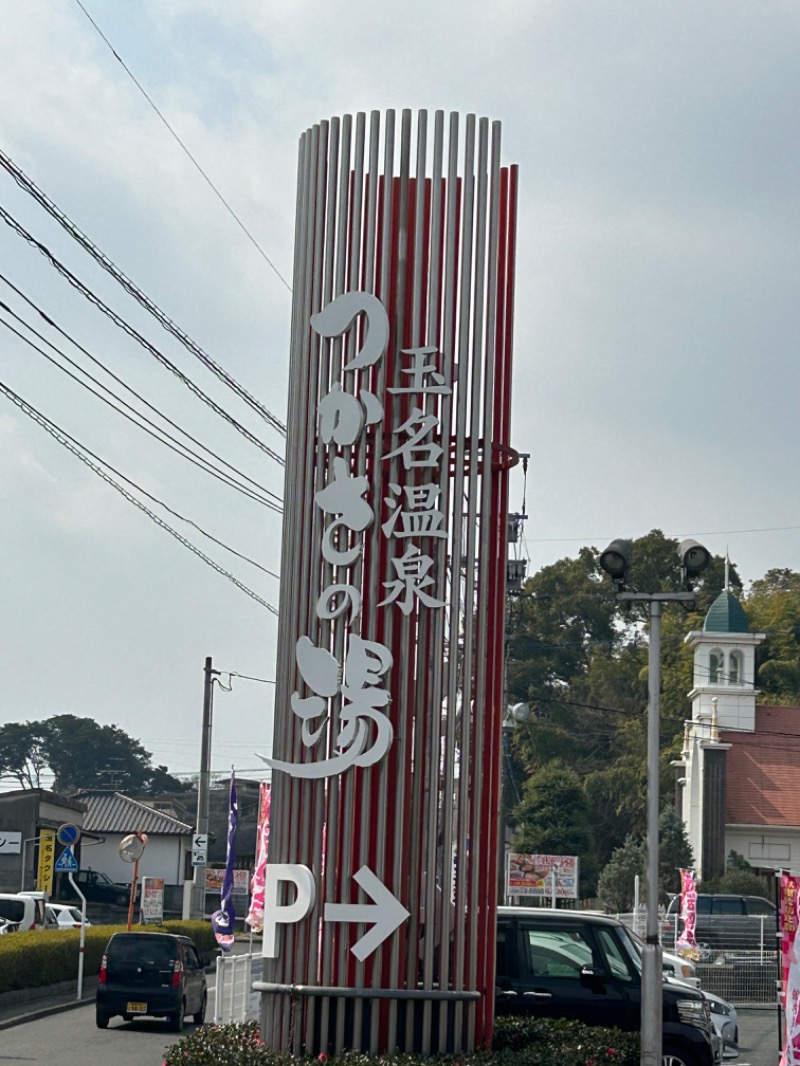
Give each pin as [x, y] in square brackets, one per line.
[97, 887]
[568, 964]
[156, 974]
[726, 922]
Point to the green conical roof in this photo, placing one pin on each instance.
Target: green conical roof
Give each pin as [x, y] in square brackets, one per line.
[726, 615]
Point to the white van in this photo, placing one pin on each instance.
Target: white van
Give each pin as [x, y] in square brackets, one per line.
[26, 912]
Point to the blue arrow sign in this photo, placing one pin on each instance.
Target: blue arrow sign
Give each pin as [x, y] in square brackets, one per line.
[66, 862]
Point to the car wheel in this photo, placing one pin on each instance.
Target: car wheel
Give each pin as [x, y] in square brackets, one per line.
[200, 1015]
[101, 1018]
[672, 1056]
[177, 1019]
[122, 900]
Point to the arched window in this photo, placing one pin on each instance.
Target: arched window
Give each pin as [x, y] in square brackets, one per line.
[716, 667]
[736, 668]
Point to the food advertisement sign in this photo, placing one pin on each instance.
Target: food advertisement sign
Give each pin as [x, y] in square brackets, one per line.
[152, 900]
[532, 875]
[241, 880]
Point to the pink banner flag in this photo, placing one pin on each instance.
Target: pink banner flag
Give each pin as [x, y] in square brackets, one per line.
[790, 967]
[255, 916]
[686, 943]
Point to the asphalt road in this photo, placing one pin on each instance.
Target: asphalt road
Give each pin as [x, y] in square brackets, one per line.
[71, 1037]
[758, 1038]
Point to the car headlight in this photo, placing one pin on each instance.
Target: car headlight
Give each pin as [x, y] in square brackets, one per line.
[695, 1012]
[723, 1008]
[687, 970]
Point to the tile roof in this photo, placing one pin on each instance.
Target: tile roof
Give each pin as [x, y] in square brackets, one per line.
[111, 812]
[763, 774]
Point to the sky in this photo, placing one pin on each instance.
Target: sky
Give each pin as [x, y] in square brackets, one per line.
[656, 379]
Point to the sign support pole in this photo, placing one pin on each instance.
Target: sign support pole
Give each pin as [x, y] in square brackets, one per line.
[82, 948]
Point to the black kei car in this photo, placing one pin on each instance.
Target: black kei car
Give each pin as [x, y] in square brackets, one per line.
[154, 974]
[572, 964]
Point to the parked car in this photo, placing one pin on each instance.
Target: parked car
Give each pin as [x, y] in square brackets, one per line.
[726, 922]
[25, 911]
[63, 916]
[97, 887]
[155, 974]
[569, 964]
[672, 965]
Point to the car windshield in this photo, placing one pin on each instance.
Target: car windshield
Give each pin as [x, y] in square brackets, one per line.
[633, 945]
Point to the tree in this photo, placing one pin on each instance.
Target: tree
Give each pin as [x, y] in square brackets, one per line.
[21, 753]
[674, 852]
[616, 884]
[81, 755]
[553, 817]
[580, 660]
[773, 608]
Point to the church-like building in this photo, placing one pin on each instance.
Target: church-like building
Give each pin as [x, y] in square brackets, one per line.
[739, 772]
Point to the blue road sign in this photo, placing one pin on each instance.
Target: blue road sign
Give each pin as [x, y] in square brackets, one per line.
[66, 862]
[68, 834]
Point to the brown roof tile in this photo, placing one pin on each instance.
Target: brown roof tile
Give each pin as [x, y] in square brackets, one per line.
[763, 777]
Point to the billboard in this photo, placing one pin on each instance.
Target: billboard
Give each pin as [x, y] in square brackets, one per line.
[532, 875]
[386, 756]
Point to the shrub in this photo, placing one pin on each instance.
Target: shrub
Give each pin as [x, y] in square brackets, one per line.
[46, 957]
[517, 1042]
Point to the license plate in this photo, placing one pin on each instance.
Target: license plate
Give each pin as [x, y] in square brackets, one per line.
[136, 1008]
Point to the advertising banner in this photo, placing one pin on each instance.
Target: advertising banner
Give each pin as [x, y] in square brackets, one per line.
[687, 941]
[791, 1047]
[222, 920]
[47, 854]
[532, 875]
[789, 887]
[255, 916]
[152, 900]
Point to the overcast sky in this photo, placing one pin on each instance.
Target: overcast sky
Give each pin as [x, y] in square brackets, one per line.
[656, 373]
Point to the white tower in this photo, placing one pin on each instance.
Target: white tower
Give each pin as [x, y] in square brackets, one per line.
[723, 697]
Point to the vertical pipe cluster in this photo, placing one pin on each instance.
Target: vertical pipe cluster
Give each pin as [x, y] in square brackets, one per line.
[422, 216]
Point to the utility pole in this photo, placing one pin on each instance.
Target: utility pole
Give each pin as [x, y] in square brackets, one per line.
[199, 893]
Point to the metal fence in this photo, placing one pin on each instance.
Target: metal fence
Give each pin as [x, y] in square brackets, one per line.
[739, 963]
[235, 1000]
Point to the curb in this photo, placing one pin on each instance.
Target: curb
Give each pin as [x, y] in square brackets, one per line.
[44, 1012]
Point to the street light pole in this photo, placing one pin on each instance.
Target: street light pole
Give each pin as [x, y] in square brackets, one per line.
[652, 968]
[615, 560]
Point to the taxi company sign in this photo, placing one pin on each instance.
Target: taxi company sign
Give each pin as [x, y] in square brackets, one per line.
[385, 765]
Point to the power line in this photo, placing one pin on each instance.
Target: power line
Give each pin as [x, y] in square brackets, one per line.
[77, 450]
[203, 174]
[67, 224]
[674, 536]
[166, 439]
[76, 283]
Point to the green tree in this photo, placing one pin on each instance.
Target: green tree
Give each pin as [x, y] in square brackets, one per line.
[674, 852]
[580, 660]
[81, 755]
[773, 608]
[553, 817]
[616, 885]
[21, 753]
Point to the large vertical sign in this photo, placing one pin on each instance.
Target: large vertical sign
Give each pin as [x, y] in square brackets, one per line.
[382, 872]
[45, 866]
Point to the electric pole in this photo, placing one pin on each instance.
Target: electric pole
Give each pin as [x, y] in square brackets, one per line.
[199, 893]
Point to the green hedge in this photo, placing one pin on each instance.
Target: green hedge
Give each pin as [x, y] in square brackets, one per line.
[45, 957]
[517, 1042]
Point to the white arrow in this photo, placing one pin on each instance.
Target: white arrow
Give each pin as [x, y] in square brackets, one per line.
[387, 912]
